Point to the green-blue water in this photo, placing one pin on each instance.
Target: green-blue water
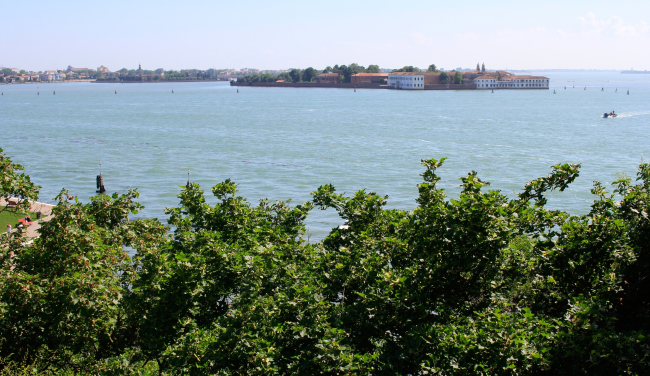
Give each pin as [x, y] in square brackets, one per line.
[284, 143]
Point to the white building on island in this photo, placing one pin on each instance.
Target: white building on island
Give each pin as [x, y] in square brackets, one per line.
[481, 78]
[505, 80]
[513, 82]
[406, 80]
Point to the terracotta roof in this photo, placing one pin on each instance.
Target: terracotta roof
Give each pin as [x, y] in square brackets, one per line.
[370, 74]
[415, 73]
[406, 73]
[485, 78]
[532, 77]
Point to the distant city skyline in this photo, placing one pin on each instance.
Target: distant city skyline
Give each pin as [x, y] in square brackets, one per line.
[201, 34]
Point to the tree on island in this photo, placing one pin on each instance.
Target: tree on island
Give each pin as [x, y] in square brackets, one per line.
[444, 78]
[283, 76]
[309, 74]
[296, 75]
[458, 78]
[408, 68]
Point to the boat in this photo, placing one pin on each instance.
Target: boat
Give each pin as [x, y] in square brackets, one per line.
[611, 114]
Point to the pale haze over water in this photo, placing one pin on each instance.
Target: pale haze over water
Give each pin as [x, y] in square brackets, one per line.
[594, 34]
[283, 143]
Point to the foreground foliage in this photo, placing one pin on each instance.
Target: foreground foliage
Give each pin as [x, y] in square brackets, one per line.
[15, 184]
[480, 284]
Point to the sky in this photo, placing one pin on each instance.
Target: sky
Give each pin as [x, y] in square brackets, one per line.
[282, 34]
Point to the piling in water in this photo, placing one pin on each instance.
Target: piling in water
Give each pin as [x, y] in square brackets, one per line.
[100, 184]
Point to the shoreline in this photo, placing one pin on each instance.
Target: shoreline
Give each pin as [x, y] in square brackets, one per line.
[154, 82]
[348, 85]
[105, 82]
[44, 82]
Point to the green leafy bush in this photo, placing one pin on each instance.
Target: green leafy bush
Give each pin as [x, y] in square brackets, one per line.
[479, 284]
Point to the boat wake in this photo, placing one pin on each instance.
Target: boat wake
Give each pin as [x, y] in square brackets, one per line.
[633, 114]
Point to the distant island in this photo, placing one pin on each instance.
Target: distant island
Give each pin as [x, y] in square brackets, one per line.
[406, 78]
[103, 74]
[160, 75]
[632, 71]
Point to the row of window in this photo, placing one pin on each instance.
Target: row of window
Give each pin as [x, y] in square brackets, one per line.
[520, 80]
[511, 85]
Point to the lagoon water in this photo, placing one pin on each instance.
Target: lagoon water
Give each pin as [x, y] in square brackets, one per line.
[283, 143]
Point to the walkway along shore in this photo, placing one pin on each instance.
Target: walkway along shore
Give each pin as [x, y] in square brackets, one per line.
[32, 230]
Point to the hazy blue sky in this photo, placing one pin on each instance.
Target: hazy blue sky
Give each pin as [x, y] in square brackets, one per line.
[38, 35]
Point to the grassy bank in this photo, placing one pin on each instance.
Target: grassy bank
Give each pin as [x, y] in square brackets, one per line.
[7, 216]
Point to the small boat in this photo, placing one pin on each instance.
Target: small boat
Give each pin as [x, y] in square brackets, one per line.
[611, 114]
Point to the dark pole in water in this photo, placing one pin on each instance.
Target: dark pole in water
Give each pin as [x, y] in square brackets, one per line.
[38, 93]
[188, 179]
[628, 91]
[54, 93]
[172, 91]
[554, 91]
[100, 180]
[115, 91]
[492, 91]
[237, 90]
[603, 89]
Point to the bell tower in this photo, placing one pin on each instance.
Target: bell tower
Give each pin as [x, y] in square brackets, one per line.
[478, 68]
[483, 68]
